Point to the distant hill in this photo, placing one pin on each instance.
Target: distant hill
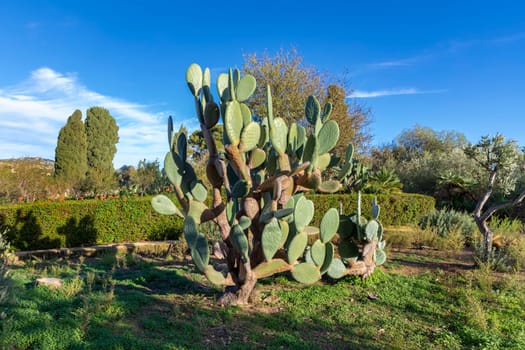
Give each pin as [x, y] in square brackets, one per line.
[41, 163]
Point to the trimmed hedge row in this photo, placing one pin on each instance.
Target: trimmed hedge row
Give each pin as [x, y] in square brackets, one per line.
[80, 223]
[396, 210]
[88, 222]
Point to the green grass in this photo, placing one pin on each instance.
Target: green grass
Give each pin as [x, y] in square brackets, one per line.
[153, 304]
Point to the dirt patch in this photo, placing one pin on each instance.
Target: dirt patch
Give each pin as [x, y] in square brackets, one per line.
[417, 261]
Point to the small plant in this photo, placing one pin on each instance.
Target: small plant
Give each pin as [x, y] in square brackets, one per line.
[265, 169]
[5, 280]
[447, 221]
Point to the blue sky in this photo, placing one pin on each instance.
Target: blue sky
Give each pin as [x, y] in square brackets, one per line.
[448, 65]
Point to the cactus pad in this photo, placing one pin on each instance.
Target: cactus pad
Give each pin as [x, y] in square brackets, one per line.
[329, 225]
[297, 247]
[306, 273]
[271, 239]
[164, 206]
[328, 136]
[271, 267]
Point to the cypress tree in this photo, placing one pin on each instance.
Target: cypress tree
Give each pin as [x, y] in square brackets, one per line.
[71, 152]
[102, 137]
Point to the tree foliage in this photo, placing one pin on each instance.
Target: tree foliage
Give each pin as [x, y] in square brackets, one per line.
[425, 160]
[353, 118]
[102, 137]
[502, 163]
[291, 82]
[71, 152]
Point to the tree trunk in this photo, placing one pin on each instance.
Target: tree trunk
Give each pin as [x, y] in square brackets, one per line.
[487, 237]
[245, 285]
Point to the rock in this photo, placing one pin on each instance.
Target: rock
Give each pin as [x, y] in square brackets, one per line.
[50, 282]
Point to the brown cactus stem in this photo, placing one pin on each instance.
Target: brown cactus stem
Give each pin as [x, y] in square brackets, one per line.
[365, 267]
[210, 142]
[284, 162]
[239, 167]
[245, 290]
[180, 198]
[220, 210]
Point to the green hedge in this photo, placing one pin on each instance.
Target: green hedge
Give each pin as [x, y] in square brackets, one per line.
[87, 222]
[396, 209]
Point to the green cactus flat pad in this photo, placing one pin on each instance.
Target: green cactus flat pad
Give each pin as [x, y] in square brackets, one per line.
[194, 78]
[164, 206]
[250, 137]
[306, 273]
[246, 114]
[200, 253]
[375, 209]
[379, 256]
[199, 191]
[311, 152]
[271, 267]
[303, 213]
[329, 225]
[323, 161]
[279, 134]
[195, 210]
[172, 170]
[222, 87]
[312, 110]
[257, 158]
[328, 136]
[239, 242]
[337, 269]
[297, 247]
[285, 231]
[348, 249]
[245, 222]
[329, 256]
[330, 186]
[190, 231]
[318, 251]
[182, 146]
[245, 87]
[240, 189]
[313, 234]
[233, 122]
[371, 229]
[211, 114]
[327, 110]
[215, 277]
[271, 239]
[349, 153]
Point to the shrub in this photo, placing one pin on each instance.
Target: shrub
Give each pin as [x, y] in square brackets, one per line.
[5, 280]
[450, 222]
[508, 251]
[396, 209]
[44, 225]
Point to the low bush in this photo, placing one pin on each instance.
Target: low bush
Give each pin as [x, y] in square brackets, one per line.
[508, 251]
[396, 209]
[44, 225]
[79, 223]
[447, 223]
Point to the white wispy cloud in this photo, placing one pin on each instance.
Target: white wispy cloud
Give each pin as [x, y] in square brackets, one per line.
[391, 92]
[33, 111]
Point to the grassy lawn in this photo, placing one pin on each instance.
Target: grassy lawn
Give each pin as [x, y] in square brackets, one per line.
[420, 300]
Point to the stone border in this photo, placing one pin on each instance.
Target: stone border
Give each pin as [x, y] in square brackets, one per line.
[92, 250]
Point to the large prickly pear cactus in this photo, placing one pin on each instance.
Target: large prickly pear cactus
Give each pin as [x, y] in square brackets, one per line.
[264, 171]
